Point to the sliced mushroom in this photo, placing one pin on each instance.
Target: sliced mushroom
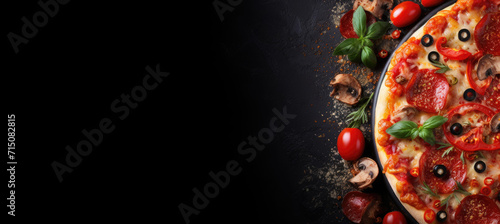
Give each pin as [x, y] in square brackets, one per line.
[376, 7]
[405, 112]
[400, 79]
[488, 65]
[346, 89]
[495, 123]
[367, 172]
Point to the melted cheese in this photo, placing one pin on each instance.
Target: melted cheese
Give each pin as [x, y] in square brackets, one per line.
[492, 170]
[410, 149]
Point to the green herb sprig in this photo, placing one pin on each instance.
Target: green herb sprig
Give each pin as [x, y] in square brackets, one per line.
[359, 49]
[442, 67]
[445, 145]
[410, 129]
[426, 189]
[460, 189]
[359, 117]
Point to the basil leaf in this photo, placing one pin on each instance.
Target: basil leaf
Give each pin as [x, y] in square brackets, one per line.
[346, 47]
[427, 135]
[367, 42]
[414, 133]
[402, 129]
[377, 30]
[434, 122]
[356, 55]
[368, 57]
[359, 22]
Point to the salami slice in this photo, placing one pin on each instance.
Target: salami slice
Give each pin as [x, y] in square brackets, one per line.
[427, 91]
[478, 209]
[487, 34]
[492, 97]
[346, 28]
[360, 207]
[455, 170]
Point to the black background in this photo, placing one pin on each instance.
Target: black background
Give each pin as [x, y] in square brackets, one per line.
[225, 79]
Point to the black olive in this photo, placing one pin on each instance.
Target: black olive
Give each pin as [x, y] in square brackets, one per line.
[480, 166]
[439, 170]
[433, 56]
[470, 94]
[498, 196]
[427, 40]
[456, 129]
[464, 35]
[441, 216]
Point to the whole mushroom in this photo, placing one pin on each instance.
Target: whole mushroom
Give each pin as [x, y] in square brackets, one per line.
[346, 89]
[488, 65]
[366, 171]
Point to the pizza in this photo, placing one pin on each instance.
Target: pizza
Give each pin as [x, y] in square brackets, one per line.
[437, 117]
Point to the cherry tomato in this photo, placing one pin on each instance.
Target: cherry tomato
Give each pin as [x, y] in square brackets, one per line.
[405, 13]
[394, 217]
[351, 144]
[431, 3]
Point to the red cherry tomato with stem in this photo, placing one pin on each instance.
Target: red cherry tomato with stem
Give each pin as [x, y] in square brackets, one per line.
[405, 13]
[351, 144]
[394, 217]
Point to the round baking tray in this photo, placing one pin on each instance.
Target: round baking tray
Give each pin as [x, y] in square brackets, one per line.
[396, 200]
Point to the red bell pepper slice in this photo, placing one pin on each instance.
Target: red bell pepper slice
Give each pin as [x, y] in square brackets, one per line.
[473, 140]
[479, 86]
[451, 53]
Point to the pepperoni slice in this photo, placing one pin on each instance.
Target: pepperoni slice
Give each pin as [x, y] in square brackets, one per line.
[478, 209]
[427, 91]
[455, 170]
[361, 207]
[487, 34]
[492, 97]
[346, 28]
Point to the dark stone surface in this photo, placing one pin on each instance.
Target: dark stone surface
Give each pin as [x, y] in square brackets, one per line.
[227, 80]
